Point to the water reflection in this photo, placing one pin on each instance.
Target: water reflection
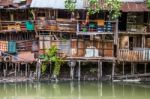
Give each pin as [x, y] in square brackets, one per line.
[74, 90]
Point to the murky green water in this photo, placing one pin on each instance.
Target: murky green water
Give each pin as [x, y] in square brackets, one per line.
[74, 90]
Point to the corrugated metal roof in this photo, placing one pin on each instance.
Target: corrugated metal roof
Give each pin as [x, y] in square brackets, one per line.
[134, 7]
[14, 3]
[55, 4]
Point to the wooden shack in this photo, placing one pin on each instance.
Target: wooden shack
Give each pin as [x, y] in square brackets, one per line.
[29, 27]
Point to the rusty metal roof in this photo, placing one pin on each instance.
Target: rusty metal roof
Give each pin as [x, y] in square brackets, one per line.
[5, 2]
[14, 3]
[134, 7]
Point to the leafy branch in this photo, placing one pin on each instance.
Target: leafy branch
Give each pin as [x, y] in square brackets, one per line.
[93, 7]
[70, 5]
[114, 8]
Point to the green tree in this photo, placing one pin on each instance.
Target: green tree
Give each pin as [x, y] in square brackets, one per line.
[51, 56]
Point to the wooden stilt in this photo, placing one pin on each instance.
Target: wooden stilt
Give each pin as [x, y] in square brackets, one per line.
[15, 69]
[18, 64]
[72, 72]
[50, 69]
[145, 68]
[79, 71]
[99, 73]
[123, 69]
[6, 66]
[26, 70]
[132, 68]
[18, 67]
[113, 70]
[4, 72]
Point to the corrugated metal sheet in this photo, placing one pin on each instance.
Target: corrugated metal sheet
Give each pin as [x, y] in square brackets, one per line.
[134, 7]
[132, 0]
[56, 4]
[24, 56]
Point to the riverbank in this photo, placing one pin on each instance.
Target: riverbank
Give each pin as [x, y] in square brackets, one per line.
[14, 79]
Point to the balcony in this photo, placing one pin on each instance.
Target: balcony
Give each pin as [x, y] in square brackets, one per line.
[16, 26]
[58, 25]
[134, 55]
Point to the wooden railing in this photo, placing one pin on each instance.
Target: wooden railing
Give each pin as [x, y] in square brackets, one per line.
[134, 55]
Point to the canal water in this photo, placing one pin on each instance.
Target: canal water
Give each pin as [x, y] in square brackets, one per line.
[74, 90]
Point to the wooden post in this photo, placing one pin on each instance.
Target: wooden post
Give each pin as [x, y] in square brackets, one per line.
[132, 68]
[72, 73]
[123, 68]
[18, 67]
[116, 39]
[18, 64]
[99, 72]
[11, 17]
[143, 41]
[79, 71]
[15, 69]
[4, 72]
[26, 71]
[113, 70]
[145, 68]
[6, 66]
[50, 69]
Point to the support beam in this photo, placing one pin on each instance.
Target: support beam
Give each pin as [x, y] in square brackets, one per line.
[79, 71]
[113, 70]
[18, 67]
[116, 39]
[6, 66]
[15, 68]
[132, 68]
[72, 73]
[123, 68]
[26, 71]
[145, 68]
[99, 72]
[143, 41]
